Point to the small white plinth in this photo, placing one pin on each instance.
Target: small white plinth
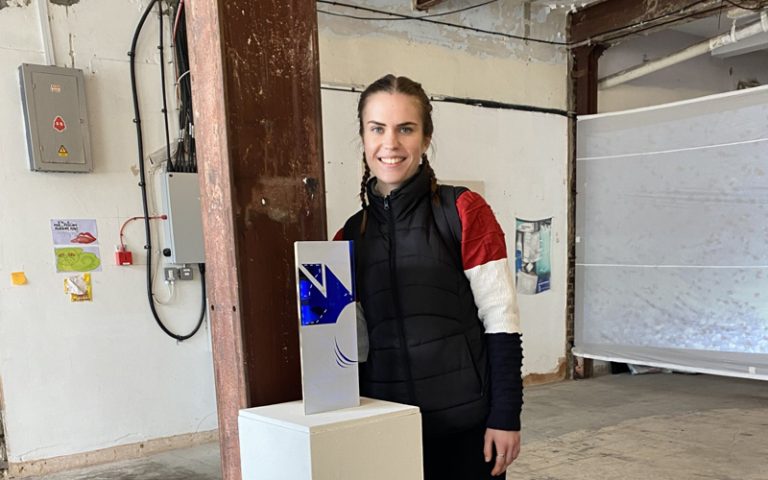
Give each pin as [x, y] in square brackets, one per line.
[376, 441]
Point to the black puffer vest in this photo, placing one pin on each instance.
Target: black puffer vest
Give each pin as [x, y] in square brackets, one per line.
[427, 345]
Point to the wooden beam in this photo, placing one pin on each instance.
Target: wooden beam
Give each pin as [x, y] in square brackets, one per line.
[584, 77]
[583, 88]
[611, 19]
[256, 94]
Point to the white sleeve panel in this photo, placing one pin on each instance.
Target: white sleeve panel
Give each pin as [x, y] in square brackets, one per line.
[495, 297]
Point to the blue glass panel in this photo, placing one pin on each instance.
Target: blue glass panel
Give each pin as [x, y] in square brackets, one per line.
[315, 307]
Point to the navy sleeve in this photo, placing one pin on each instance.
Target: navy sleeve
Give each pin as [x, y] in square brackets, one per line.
[505, 355]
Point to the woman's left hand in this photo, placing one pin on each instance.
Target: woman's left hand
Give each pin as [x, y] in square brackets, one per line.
[507, 446]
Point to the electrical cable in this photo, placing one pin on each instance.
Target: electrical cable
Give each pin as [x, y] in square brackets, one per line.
[171, 293]
[143, 186]
[744, 7]
[415, 17]
[162, 83]
[186, 157]
[125, 223]
[503, 106]
[176, 21]
[401, 16]
[475, 102]
[178, 81]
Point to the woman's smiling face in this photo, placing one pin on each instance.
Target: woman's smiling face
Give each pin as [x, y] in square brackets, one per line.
[393, 138]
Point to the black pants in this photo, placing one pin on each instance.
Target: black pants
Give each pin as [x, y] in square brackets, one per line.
[457, 457]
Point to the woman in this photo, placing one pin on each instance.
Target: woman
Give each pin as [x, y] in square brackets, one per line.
[443, 332]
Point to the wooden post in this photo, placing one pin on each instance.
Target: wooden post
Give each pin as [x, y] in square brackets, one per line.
[256, 95]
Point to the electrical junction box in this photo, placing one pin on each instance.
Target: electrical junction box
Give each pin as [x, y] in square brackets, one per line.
[56, 120]
[184, 227]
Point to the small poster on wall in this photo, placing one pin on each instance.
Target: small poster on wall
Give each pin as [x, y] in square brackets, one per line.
[77, 259]
[75, 245]
[533, 264]
[74, 232]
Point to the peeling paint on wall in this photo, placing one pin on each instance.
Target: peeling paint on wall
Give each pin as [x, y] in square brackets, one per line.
[506, 17]
[14, 3]
[65, 3]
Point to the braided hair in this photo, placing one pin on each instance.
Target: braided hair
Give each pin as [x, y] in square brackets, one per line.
[432, 178]
[404, 85]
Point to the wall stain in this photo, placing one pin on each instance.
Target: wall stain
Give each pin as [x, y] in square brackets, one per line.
[14, 3]
[549, 377]
[65, 3]
[71, 50]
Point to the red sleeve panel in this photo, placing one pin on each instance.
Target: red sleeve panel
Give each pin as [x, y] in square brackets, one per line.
[482, 239]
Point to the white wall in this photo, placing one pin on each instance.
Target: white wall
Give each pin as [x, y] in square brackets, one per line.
[84, 376]
[700, 76]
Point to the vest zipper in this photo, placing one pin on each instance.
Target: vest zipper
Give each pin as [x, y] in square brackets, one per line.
[396, 298]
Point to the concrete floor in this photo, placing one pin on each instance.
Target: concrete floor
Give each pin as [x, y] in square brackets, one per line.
[657, 426]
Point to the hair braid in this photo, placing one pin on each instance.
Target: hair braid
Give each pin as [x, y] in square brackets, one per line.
[432, 178]
[364, 183]
[363, 194]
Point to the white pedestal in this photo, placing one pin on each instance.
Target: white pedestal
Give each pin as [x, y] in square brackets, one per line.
[376, 441]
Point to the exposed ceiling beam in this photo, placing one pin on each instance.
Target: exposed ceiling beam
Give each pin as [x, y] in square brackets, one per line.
[608, 20]
[731, 38]
[425, 4]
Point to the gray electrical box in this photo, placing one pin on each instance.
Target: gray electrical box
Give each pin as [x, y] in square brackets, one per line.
[184, 227]
[53, 100]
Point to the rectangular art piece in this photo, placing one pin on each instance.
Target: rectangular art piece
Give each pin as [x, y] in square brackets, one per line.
[327, 325]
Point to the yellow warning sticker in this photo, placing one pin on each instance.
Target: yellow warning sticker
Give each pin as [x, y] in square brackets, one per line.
[63, 152]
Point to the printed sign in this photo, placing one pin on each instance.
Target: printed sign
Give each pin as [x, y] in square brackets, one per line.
[58, 124]
[63, 152]
[67, 232]
[327, 325]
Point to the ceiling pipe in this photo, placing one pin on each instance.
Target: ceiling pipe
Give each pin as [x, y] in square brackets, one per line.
[693, 51]
[45, 29]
